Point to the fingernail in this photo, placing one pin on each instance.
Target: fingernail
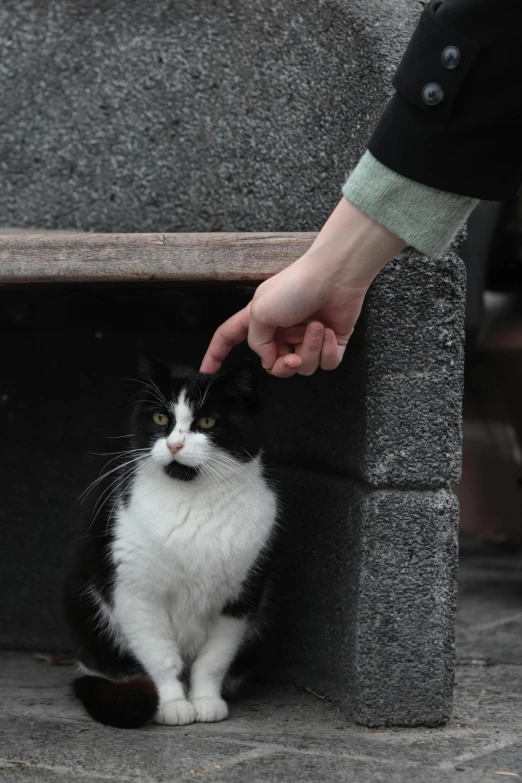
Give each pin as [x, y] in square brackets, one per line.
[315, 331]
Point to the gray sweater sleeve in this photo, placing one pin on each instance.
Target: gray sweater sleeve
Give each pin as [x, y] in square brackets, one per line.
[423, 217]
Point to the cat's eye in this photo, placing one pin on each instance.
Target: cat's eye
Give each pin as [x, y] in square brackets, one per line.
[205, 422]
[161, 419]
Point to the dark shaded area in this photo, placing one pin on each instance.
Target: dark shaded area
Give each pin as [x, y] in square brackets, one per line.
[68, 358]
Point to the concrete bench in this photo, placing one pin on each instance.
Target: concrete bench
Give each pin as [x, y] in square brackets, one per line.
[366, 456]
[163, 118]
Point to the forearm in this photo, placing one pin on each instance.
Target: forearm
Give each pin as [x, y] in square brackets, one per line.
[352, 247]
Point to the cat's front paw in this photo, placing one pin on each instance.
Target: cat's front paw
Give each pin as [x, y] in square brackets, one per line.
[178, 712]
[210, 710]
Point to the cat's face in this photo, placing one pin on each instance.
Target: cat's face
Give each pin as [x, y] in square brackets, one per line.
[193, 423]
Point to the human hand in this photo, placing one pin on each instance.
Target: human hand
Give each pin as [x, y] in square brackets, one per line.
[303, 317]
[288, 325]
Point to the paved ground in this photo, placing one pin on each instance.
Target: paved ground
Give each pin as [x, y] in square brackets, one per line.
[280, 734]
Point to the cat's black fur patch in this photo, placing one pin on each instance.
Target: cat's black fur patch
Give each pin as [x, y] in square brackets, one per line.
[92, 567]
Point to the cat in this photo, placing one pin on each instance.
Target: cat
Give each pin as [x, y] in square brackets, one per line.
[168, 589]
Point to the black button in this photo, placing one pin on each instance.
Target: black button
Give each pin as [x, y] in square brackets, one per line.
[432, 93]
[450, 57]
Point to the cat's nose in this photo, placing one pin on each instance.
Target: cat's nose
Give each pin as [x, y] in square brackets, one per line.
[175, 447]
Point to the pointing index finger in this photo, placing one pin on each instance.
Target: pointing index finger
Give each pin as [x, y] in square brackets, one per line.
[226, 337]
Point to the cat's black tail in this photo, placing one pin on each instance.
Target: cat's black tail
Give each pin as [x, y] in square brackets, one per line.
[126, 705]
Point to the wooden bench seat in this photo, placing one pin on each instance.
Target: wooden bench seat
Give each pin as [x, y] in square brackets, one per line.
[52, 257]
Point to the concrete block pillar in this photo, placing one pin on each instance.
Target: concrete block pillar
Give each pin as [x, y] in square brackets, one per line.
[369, 600]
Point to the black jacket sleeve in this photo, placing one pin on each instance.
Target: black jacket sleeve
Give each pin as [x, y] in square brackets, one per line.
[455, 122]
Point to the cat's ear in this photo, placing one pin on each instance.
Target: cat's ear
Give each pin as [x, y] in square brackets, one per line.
[149, 366]
[243, 379]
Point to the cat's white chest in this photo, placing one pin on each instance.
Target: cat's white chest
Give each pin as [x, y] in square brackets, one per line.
[189, 546]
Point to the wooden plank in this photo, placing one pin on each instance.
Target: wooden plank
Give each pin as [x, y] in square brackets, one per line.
[87, 258]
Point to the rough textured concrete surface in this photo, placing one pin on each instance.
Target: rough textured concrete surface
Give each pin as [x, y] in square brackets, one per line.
[413, 395]
[174, 116]
[396, 401]
[167, 116]
[373, 619]
[277, 733]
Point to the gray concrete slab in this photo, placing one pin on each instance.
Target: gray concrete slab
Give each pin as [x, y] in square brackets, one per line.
[169, 116]
[278, 733]
[366, 601]
[275, 733]
[490, 606]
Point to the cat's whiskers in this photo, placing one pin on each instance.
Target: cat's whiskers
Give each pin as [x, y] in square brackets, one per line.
[233, 460]
[226, 462]
[108, 473]
[207, 389]
[124, 451]
[101, 477]
[125, 478]
[224, 474]
[100, 502]
[154, 391]
[128, 477]
[150, 385]
[240, 467]
[102, 498]
[226, 489]
[160, 394]
[207, 473]
[223, 478]
[146, 396]
[119, 454]
[198, 403]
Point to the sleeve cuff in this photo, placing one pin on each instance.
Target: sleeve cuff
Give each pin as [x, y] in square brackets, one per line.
[424, 217]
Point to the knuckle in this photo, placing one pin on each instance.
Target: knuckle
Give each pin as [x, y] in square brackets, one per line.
[270, 320]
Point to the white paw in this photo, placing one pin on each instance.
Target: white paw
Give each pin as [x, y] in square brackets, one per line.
[210, 710]
[175, 713]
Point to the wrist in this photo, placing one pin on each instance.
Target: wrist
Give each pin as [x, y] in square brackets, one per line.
[352, 246]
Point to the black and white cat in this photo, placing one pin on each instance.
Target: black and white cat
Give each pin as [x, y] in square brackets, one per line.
[168, 585]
